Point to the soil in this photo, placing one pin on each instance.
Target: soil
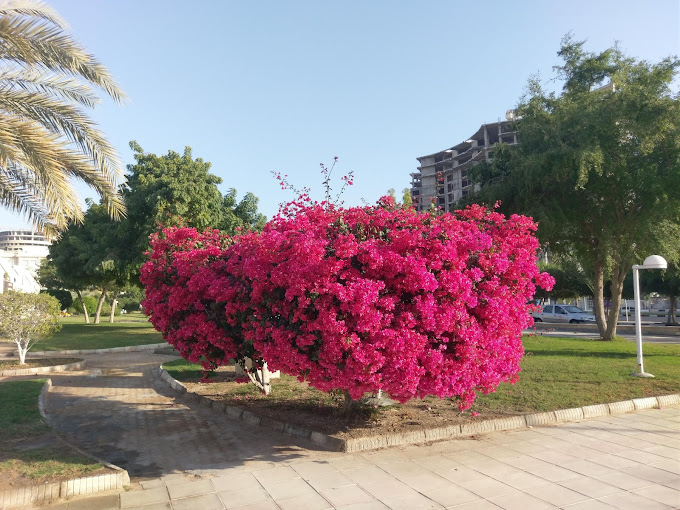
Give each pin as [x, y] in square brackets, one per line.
[296, 403]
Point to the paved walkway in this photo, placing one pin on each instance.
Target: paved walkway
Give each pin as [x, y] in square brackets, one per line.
[183, 456]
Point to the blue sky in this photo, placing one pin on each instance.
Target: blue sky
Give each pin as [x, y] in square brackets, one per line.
[261, 86]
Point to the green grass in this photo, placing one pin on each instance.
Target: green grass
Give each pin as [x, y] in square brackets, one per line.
[48, 463]
[21, 423]
[557, 373]
[130, 329]
[19, 415]
[560, 373]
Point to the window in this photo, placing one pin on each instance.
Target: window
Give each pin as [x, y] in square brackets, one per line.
[449, 178]
[548, 309]
[449, 187]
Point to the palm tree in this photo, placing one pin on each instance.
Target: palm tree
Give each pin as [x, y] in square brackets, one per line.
[46, 81]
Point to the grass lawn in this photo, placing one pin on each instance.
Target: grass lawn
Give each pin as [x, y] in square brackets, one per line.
[557, 373]
[23, 453]
[129, 329]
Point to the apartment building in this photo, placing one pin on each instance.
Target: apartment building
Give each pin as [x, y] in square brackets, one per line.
[442, 177]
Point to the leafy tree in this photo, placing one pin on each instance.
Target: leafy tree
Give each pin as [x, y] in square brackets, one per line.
[46, 138]
[407, 201]
[597, 166]
[177, 189]
[26, 318]
[666, 283]
[570, 281]
[63, 296]
[90, 255]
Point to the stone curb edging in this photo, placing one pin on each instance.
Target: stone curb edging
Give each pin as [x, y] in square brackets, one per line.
[661, 330]
[128, 348]
[49, 492]
[423, 436]
[78, 365]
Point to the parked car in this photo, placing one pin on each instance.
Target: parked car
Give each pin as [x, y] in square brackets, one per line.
[563, 313]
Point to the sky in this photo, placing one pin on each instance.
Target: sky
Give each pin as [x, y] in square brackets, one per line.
[265, 86]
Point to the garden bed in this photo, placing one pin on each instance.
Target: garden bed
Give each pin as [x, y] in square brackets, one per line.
[558, 373]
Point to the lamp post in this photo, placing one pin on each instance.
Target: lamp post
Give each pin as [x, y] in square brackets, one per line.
[651, 262]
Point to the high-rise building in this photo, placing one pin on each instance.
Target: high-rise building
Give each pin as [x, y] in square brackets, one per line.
[442, 178]
[21, 252]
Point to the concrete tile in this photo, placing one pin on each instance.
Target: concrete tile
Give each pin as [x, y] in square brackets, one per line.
[314, 469]
[349, 461]
[623, 480]
[523, 481]
[477, 505]
[451, 495]
[236, 481]
[521, 501]
[557, 495]
[633, 501]
[586, 467]
[413, 501]
[277, 474]
[152, 506]
[288, 489]
[554, 473]
[152, 484]
[348, 495]
[462, 474]
[385, 490]
[591, 505]
[262, 505]
[672, 466]
[425, 481]
[651, 473]
[238, 498]
[204, 502]
[367, 474]
[373, 505]
[330, 481]
[661, 494]
[139, 498]
[613, 461]
[488, 488]
[590, 487]
[191, 489]
[311, 501]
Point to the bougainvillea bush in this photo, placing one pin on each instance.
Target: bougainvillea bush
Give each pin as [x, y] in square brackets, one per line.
[356, 299]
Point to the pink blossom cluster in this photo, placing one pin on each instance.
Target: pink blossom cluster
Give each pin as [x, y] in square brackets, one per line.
[357, 299]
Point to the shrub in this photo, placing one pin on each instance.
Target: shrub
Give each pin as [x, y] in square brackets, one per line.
[355, 299]
[132, 306]
[90, 304]
[63, 296]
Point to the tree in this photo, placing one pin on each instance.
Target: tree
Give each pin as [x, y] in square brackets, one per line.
[407, 201]
[27, 318]
[90, 254]
[46, 138]
[666, 283]
[177, 189]
[597, 166]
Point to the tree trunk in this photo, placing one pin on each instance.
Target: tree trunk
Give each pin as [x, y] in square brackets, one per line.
[670, 319]
[82, 303]
[598, 298]
[99, 306]
[114, 302]
[22, 352]
[618, 276]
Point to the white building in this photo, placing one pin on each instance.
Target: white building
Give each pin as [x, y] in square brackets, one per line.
[442, 177]
[21, 252]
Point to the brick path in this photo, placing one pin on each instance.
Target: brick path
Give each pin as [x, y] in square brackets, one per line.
[185, 457]
[117, 410]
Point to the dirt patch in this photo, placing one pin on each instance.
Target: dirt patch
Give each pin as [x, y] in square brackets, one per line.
[296, 403]
[36, 363]
[43, 459]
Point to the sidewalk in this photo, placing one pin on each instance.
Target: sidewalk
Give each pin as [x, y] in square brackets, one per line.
[628, 461]
[184, 456]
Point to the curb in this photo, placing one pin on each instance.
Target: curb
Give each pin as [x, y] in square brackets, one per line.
[78, 365]
[669, 331]
[49, 492]
[128, 348]
[423, 436]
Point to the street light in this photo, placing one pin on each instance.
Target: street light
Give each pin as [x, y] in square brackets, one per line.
[651, 262]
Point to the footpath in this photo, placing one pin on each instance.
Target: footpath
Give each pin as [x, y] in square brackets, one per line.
[181, 455]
